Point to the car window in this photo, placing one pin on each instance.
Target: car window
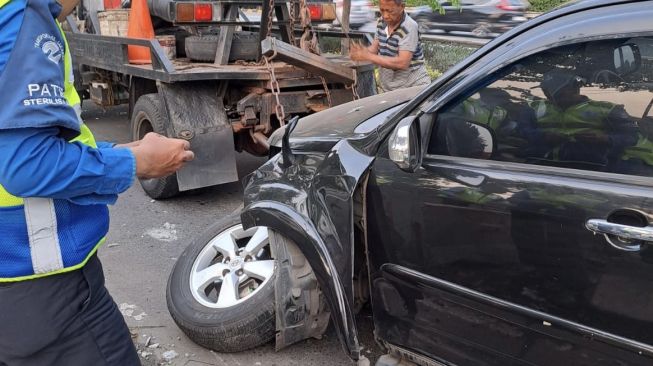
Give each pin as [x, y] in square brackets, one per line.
[583, 106]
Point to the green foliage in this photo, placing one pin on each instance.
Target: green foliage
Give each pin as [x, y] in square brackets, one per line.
[440, 56]
[433, 73]
[545, 5]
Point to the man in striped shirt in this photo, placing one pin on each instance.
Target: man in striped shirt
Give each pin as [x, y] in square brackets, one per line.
[396, 48]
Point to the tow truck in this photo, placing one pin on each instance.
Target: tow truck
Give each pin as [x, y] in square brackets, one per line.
[234, 80]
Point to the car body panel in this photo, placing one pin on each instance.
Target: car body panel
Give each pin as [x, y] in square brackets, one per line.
[319, 190]
[313, 197]
[536, 256]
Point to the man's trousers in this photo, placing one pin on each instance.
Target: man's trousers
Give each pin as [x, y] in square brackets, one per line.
[67, 319]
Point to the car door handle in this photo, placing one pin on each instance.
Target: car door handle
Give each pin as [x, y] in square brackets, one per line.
[629, 236]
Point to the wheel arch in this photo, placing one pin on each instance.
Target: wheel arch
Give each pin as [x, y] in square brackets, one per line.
[287, 220]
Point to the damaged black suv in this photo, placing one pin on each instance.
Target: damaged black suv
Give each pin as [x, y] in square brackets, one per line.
[500, 216]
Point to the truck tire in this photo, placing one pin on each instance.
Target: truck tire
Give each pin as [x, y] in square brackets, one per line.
[244, 46]
[194, 302]
[149, 115]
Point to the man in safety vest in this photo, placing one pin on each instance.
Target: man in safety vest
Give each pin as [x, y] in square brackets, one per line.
[638, 159]
[577, 130]
[55, 184]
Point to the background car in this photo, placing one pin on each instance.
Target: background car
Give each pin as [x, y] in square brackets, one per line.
[483, 18]
[501, 216]
[360, 14]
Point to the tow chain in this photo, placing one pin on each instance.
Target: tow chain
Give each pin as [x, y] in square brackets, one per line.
[292, 23]
[326, 90]
[354, 86]
[270, 15]
[274, 83]
[276, 90]
[307, 42]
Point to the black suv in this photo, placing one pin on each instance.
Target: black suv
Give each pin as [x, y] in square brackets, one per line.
[501, 216]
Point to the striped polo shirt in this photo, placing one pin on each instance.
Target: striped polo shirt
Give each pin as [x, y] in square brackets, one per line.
[404, 38]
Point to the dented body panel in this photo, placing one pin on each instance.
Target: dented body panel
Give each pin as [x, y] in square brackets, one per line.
[311, 201]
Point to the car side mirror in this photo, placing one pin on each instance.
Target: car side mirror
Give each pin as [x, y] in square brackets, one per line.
[404, 146]
[627, 59]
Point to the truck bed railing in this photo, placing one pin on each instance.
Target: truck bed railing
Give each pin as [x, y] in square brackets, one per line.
[113, 51]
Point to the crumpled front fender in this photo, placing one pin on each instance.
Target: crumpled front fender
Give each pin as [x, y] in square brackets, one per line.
[286, 220]
[311, 202]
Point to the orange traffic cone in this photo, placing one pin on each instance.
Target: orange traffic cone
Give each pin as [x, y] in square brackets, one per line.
[140, 26]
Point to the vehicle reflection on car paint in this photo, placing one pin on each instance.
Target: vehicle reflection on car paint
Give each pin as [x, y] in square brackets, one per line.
[480, 18]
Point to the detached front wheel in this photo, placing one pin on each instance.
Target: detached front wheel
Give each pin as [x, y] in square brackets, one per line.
[221, 290]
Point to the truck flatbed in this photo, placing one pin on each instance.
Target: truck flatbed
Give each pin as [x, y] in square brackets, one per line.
[110, 53]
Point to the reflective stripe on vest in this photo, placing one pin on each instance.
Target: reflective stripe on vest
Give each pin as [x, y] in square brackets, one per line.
[43, 237]
[586, 116]
[643, 151]
[4, 2]
[479, 113]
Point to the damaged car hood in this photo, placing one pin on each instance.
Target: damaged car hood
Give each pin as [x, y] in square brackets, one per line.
[321, 131]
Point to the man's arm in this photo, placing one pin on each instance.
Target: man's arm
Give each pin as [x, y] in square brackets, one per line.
[36, 162]
[399, 62]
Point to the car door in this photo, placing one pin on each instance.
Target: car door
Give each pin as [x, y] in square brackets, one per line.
[493, 250]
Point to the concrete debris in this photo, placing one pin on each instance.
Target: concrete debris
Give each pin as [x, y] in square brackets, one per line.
[167, 233]
[113, 245]
[169, 355]
[153, 345]
[147, 342]
[127, 309]
[146, 354]
[186, 355]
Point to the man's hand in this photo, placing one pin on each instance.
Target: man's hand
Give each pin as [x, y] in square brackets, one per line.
[358, 52]
[158, 156]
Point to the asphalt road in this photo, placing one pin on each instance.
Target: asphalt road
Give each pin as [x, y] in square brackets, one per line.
[145, 239]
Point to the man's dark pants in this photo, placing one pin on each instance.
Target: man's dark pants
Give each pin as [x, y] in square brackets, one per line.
[68, 319]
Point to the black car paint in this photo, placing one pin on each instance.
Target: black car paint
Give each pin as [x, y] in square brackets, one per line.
[467, 262]
[311, 202]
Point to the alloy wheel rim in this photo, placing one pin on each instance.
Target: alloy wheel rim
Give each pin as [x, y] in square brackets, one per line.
[232, 267]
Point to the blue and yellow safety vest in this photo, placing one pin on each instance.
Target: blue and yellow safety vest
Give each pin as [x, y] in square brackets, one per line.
[41, 236]
[643, 151]
[588, 116]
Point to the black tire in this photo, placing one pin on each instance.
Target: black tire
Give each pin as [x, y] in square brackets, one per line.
[245, 325]
[150, 116]
[244, 46]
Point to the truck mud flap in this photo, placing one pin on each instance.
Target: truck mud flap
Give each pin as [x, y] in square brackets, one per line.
[197, 114]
